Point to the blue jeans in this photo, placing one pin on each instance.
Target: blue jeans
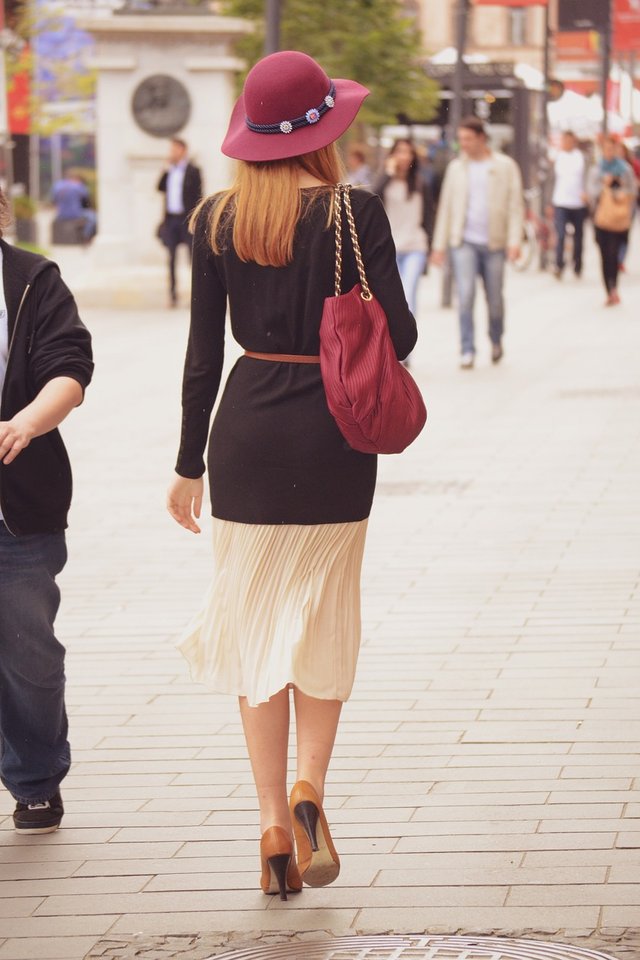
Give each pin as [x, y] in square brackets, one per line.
[34, 750]
[576, 217]
[411, 267]
[469, 261]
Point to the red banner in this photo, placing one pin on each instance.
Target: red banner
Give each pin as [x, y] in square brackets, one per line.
[578, 45]
[626, 26]
[19, 95]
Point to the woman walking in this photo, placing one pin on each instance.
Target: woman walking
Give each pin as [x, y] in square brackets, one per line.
[611, 190]
[625, 154]
[407, 198]
[290, 499]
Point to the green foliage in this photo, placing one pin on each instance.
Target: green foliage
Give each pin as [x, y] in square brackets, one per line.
[56, 80]
[24, 207]
[370, 41]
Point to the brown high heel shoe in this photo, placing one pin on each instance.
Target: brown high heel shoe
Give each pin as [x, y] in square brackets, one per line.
[318, 862]
[279, 869]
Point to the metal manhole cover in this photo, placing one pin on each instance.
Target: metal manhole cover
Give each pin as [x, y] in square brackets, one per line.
[417, 948]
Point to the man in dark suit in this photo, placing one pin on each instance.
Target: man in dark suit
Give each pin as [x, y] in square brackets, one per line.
[181, 184]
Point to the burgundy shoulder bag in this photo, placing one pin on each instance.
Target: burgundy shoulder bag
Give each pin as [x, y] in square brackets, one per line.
[373, 398]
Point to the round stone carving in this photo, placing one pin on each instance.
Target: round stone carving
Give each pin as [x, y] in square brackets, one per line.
[418, 947]
[161, 105]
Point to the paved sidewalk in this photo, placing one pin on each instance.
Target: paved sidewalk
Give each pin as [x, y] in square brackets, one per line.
[487, 772]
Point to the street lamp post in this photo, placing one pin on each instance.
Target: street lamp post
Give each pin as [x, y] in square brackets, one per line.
[272, 32]
[455, 116]
[546, 70]
[543, 156]
[462, 13]
[605, 40]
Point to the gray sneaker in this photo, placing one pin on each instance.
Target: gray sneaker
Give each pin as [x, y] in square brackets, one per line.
[466, 361]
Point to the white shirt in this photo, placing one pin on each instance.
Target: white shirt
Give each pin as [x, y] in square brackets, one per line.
[175, 182]
[4, 334]
[405, 217]
[569, 186]
[476, 228]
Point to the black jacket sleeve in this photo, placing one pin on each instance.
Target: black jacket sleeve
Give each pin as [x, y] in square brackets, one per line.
[205, 351]
[379, 255]
[59, 344]
[162, 182]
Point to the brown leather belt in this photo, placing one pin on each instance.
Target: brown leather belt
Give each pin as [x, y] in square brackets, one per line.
[282, 357]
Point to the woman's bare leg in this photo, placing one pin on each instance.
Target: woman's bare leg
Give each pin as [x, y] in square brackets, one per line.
[266, 730]
[316, 726]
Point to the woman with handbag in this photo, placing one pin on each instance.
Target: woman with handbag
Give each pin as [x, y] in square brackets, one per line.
[611, 190]
[290, 498]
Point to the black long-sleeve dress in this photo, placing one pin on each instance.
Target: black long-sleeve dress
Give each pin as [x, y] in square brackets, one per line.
[289, 496]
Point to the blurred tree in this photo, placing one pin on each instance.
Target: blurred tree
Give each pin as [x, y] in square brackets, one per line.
[371, 41]
[52, 51]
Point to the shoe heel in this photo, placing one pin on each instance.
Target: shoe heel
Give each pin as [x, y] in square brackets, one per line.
[279, 866]
[306, 813]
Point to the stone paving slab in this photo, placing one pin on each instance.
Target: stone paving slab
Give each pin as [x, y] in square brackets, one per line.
[486, 771]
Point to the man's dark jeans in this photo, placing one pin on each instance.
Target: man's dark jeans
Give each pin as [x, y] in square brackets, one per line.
[175, 230]
[34, 750]
[576, 217]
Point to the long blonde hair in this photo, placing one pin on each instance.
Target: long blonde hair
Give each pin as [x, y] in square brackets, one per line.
[265, 203]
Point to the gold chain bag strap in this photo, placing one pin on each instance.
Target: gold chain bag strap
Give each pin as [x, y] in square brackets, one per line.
[373, 398]
[342, 192]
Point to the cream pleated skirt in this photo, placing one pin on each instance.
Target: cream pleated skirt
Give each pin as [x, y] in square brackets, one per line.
[283, 608]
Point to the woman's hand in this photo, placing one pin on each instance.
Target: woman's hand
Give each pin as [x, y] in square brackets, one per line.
[184, 502]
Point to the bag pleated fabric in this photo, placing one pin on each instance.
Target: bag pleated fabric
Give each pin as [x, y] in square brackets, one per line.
[283, 608]
[373, 398]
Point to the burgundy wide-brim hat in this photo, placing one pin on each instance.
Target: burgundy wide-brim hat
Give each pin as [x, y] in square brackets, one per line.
[289, 106]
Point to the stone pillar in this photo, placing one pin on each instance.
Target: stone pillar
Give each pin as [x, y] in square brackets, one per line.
[158, 76]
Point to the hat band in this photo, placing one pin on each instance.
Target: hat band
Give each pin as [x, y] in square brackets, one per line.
[288, 126]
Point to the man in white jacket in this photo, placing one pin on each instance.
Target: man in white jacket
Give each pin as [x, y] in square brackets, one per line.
[480, 219]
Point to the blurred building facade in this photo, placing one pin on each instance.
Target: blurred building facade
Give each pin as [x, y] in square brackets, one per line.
[499, 33]
[516, 35]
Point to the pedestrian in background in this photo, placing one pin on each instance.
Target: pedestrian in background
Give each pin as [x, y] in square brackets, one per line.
[71, 198]
[45, 366]
[439, 155]
[406, 195]
[181, 184]
[480, 220]
[358, 169]
[612, 193]
[625, 154]
[569, 200]
[290, 499]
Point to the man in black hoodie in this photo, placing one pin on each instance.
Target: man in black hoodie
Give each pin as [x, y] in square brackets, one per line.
[45, 365]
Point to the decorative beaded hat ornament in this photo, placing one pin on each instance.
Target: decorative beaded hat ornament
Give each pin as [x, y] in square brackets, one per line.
[288, 107]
